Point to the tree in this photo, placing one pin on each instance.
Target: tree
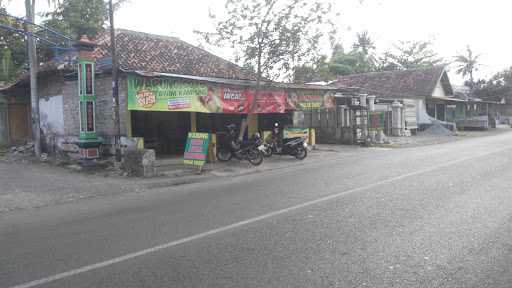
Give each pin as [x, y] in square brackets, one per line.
[364, 43]
[360, 60]
[317, 72]
[272, 36]
[12, 50]
[496, 88]
[467, 64]
[337, 50]
[410, 55]
[78, 17]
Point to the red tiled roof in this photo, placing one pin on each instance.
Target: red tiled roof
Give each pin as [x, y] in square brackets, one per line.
[138, 51]
[406, 83]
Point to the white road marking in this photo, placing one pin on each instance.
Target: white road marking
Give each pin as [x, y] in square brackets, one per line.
[129, 256]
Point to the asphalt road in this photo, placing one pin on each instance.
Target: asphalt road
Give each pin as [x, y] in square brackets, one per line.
[433, 216]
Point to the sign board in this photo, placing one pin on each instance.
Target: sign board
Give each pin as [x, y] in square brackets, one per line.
[310, 100]
[376, 120]
[296, 132]
[165, 94]
[196, 150]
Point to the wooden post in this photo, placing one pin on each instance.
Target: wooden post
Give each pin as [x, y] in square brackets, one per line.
[252, 120]
[34, 97]
[212, 150]
[193, 122]
[312, 137]
[128, 123]
[115, 83]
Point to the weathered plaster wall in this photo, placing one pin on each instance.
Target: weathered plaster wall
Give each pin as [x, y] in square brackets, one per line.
[51, 110]
[51, 114]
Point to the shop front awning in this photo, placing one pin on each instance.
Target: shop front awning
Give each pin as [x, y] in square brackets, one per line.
[152, 91]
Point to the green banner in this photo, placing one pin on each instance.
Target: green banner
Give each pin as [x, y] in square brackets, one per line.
[159, 94]
[196, 149]
[310, 100]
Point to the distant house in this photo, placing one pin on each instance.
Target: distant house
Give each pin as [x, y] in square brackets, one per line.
[425, 93]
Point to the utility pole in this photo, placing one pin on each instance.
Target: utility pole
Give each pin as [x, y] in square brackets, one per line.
[34, 98]
[115, 83]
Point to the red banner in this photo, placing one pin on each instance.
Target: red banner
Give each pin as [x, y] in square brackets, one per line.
[238, 100]
[270, 101]
[235, 100]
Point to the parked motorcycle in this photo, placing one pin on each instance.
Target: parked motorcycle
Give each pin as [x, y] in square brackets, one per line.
[295, 146]
[242, 150]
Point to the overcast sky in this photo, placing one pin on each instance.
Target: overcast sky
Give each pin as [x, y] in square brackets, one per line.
[449, 24]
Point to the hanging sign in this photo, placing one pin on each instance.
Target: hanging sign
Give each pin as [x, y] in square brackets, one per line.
[309, 100]
[296, 132]
[161, 94]
[235, 100]
[196, 149]
[164, 94]
[269, 101]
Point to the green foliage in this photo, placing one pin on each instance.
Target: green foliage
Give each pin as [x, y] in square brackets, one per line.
[78, 17]
[319, 71]
[496, 88]
[12, 50]
[354, 62]
[272, 36]
[360, 60]
[409, 55]
[467, 64]
[364, 43]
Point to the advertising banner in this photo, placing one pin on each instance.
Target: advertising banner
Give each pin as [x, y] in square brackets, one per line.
[296, 132]
[158, 94]
[270, 101]
[310, 100]
[196, 149]
[235, 100]
[163, 94]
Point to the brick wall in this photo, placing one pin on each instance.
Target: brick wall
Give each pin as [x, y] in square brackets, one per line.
[104, 110]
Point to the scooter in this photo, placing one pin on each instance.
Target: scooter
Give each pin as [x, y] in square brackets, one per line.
[295, 146]
[233, 147]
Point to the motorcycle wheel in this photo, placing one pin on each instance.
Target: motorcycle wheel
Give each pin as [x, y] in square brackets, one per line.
[267, 152]
[301, 153]
[224, 155]
[255, 157]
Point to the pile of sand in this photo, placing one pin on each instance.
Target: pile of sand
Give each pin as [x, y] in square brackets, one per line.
[437, 129]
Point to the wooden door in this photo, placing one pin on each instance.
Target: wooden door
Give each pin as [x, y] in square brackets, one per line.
[19, 122]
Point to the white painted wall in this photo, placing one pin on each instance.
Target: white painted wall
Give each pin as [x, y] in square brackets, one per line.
[410, 113]
[439, 91]
[51, 112]
[421, 112]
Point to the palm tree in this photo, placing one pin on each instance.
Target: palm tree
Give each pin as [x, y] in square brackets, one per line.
[467, 65]
[363, 51]
[364, 43]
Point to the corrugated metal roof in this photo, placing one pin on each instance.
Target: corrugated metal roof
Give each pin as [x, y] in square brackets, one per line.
[241, 82]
